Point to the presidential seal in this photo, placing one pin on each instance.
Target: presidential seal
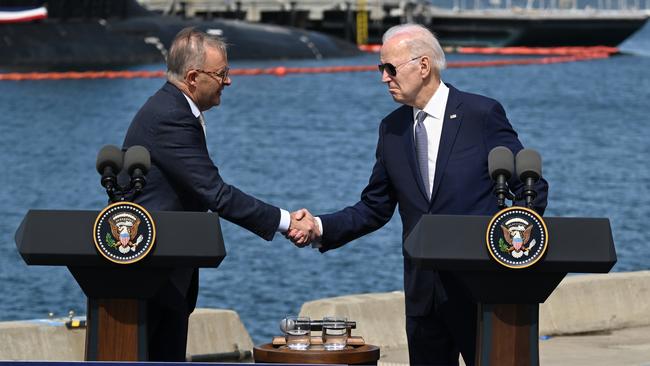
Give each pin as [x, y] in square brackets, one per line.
[517, 237]
[124, 232]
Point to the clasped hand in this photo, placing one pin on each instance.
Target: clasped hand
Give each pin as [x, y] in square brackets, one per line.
[303, 228]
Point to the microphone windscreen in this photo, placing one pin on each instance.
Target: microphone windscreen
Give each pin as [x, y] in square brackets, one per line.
[109, 155]
[529, 164]
[137, 157]
[501, 161]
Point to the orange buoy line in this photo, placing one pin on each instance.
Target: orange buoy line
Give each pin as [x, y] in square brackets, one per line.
[538, 50]
[17, 76]
[282, 70]
[565, 50]
[372, 48]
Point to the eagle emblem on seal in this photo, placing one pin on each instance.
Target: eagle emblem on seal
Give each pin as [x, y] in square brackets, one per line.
[516, 237]
[516, 233]
[124, 229]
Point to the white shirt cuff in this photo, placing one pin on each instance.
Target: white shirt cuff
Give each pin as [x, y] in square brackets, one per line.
[317, 242]
[285, 221]
[320, 225]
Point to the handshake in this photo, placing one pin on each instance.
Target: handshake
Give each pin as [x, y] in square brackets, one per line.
[303, 228]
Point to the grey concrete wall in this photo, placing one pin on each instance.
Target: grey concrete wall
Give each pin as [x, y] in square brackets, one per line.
[210, 331]
[380, 317]
[585, 303]
[217, 331]
[580, 304]
[41, 340]
[588, 303]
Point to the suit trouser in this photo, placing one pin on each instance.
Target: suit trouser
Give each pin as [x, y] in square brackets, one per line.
[168, 315]
[449, 329]
[167, 333]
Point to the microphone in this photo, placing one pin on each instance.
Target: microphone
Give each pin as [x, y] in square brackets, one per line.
[109, 164]
[500, 166]
[137, 162]
[529, 170]
[315, 325]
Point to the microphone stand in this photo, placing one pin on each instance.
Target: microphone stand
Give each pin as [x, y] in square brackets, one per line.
[529, 192]
[118, 193]
[501, 191]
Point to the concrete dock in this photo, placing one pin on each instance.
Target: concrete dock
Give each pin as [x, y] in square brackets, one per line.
[596, 320]
[589, 320]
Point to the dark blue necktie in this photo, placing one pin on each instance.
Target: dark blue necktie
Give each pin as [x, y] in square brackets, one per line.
[422, 150]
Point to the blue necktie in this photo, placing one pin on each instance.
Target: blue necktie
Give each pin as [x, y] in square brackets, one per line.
[422, 150]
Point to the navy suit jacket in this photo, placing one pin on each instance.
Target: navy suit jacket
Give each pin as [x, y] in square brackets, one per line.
[184, 178]
[462, 185]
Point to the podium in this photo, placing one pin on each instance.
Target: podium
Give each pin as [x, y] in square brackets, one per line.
[117, 293]
[508, 299]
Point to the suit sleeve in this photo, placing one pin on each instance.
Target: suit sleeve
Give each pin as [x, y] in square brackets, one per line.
[499, 132]
[182, 156]
[373, 211]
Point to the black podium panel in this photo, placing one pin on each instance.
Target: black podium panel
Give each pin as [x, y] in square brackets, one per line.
[508, 299]
[117, 310]
[513, 287]
[183, 239]
[457, 243]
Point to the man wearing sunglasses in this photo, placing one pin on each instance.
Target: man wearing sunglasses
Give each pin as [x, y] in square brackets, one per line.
[431, 158]
[184, 178]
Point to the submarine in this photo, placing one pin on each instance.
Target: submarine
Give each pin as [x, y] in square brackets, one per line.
[113, 34]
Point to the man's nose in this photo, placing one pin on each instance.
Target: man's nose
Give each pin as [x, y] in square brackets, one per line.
[384, 76]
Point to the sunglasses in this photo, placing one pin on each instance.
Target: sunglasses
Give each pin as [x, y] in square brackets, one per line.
[391, 69]
[222, 75]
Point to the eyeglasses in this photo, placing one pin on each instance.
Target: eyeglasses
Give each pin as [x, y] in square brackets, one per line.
[222, 75]
[391, 69]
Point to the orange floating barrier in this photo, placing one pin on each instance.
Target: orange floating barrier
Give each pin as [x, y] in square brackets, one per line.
[555, 55]
[538, 50]
[371, 48]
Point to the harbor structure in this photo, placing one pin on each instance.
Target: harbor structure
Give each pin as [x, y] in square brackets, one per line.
[98, 35]
[494, 23]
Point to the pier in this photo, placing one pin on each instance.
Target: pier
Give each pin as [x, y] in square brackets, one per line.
[595, 320]
[462, 23]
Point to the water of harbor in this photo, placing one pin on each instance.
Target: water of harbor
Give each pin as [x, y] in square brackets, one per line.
[308, 141]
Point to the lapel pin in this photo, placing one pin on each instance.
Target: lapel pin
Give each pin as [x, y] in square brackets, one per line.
[452, 116]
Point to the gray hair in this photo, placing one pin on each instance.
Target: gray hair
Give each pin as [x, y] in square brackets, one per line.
[188, 51]
[422, 42]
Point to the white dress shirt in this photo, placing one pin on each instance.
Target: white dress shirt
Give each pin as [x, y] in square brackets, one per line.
[435, 110]
[285, 217]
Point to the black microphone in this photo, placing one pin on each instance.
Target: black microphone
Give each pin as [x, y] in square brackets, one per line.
[529, 170]
[137, 162]
[109, 164]
[501, 164]
[315, 325]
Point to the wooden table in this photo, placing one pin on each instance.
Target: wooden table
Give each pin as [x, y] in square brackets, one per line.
[351, 355]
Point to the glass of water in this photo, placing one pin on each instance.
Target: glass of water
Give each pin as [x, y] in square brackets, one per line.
[335, 333]
[297, 332]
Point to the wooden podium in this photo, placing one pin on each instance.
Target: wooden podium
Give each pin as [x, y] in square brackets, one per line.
[508, 299]
[117, 293]
[366, 354]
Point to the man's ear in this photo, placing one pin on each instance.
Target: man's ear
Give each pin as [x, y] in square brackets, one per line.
[425, 66]
[190, 77]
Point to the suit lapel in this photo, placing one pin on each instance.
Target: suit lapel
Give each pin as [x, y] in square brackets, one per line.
[184, 105]
[450, 126]
[409, 147]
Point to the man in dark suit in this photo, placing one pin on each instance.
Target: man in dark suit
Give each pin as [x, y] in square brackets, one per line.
[431, 158]
[184, 178]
